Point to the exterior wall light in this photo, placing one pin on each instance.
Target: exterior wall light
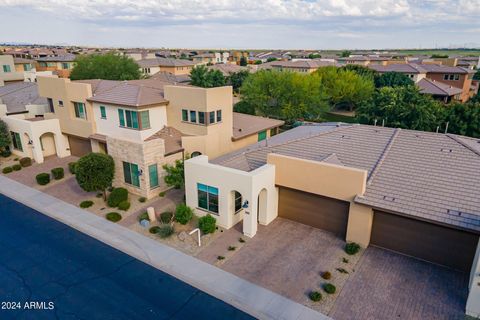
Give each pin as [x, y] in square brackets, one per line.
[245, 204]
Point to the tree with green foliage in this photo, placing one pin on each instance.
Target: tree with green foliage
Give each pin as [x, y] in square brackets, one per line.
[392, 79]
[5, 138]
[244, 107]
[236, 79]
[271, 59]
[175, 174]
[402, 107]
[345, 88]
[94, 172]
[258, 62]
[439, 56]
[285, 95]
[476, 76]
[201, 76]
[108, 66]
[463, 118]
[243, 61]
[345, 54]
[361, 70]
[314, 56]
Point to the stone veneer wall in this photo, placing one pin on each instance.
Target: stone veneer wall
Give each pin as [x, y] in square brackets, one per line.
[143, 154]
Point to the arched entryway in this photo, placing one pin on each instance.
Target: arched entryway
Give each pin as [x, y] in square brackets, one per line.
[47, 143]
[196, 154]
[262, 207]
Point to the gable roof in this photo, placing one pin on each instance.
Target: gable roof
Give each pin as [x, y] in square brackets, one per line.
[130, 94]
[245, 125]
[164, 62]
[437, 88]
[430, 176]
[60, 58]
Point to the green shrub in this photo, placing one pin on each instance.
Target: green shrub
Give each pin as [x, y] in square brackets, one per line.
[142, 199]
[7, 170]
[165, 230]
[43, 178]
[116, 196]
[207, 224]
[161, 194]
[342, 270]
[143, 216]
[183, 213]
[113, 216]
[16, 159]
[352, 248]
[6, 153]
[86, 204]
[58, 173]
[25, 162]
[315, 296]
[16, 167]
[329, 288]
[241, 240]
[71, 167]
[232, 248]
[154, 229]
[220, 257]
[166, 217]
[124, 205]
[326, 275]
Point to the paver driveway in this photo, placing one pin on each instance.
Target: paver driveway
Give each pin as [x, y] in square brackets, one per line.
[388, 285]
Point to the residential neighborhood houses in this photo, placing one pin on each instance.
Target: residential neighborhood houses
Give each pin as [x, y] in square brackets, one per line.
[345, 194]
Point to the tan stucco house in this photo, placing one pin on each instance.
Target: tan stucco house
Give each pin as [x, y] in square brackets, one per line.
[412, 192]
[144, 124]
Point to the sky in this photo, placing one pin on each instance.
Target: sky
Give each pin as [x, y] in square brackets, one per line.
[249, 24]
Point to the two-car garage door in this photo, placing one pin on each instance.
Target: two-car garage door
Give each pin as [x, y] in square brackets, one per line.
[434, 243]
[424, 240]
[314, 210]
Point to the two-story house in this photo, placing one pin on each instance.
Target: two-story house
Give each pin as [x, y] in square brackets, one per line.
[144, 124]
[61, 65]
[174, 66]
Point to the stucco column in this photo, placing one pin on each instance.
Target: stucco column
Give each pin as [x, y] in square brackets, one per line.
[473, 301]
[360, 221]
[250, 218]
[37, 150]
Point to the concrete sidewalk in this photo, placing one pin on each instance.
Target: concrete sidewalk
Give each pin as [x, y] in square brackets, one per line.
[250, 298]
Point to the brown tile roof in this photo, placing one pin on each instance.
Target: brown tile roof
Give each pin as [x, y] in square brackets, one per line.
[61, 58]
[401, 67]
[133, 93]
[17, 95]
[227, 69]
[245, 125]
[437, 88]
[22, 60]
[172, 139]
[164, 62]
[430, 176]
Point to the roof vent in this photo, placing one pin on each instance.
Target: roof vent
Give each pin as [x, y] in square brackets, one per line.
[417, 136]
[387, 198]
[446, 150]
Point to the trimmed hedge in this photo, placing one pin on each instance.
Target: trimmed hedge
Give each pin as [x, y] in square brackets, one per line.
[71, 167]
[86, 204]
[326, 275]
[16, 167]
[124, 205]
[116, 196]
[165, 231]
[142, 199]
[329, 288]
[42, 178]
[154, 229]
[183, 214]
[166, 217]
[6, 153]
[25, 162]
[315, 296]
[161, 194]
[143, 216]
[207, 224]
[352, 248]
[113, 216]
[7, 170]
[58, 173]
